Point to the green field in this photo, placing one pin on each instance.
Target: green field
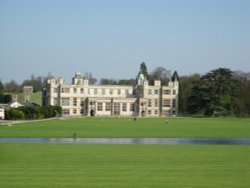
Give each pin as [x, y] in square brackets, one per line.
[35, 97]
[136, 166]
[126, 127]
[79, 165]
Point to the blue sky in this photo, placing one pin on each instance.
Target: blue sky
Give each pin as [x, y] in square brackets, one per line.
[110, 38]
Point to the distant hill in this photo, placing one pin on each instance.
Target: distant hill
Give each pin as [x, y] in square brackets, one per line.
[35, 97]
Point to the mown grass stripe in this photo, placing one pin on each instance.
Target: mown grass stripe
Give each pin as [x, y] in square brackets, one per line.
[79, 165]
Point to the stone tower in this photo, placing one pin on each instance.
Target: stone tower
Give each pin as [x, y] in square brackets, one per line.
[27, 91]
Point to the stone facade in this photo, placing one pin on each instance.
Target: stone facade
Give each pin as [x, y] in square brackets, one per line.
[2, 113]
[83, 99]
[27, 91]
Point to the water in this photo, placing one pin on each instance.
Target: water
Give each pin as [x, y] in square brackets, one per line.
[173, 141]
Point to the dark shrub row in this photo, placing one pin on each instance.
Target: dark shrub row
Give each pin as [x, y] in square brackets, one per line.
[32, 112]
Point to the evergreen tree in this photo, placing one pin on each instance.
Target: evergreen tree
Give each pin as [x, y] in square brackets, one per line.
[175, 76]
[1, 87]
[143, 70]
[186, 83]
[211, 95]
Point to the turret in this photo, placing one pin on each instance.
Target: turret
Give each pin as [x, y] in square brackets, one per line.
[142, 81]
[77, 80]
[51, 79]
[175, 79]
[61, 81]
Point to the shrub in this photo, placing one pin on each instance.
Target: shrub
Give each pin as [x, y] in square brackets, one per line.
[31, 112]
[52, 111]
[14, 114]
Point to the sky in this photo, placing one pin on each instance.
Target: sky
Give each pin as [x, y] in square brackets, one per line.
[111, 38]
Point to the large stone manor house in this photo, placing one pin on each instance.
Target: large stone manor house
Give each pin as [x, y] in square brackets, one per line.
[83, 99]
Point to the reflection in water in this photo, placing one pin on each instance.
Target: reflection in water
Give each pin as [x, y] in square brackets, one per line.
[237, 141]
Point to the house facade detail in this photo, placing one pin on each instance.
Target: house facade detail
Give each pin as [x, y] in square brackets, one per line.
[2, 113]
[82, 98]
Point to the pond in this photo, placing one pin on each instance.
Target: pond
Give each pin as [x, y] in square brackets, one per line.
[174, 141]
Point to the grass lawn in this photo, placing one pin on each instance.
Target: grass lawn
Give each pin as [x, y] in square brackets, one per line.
[125, 127]
[135, 166]
[35, 97]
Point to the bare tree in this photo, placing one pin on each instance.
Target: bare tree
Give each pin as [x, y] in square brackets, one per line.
[160, 73]
[90, 77]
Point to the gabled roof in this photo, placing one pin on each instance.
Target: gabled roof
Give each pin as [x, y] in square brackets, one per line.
[15, 104]
[30, 104]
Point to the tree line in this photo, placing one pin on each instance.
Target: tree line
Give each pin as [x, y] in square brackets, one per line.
[159, 73]
[4, 98]
[220, 92]
[32, 112]
[39, 82]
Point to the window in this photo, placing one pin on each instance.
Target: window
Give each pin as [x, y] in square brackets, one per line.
[166, 103]
[82, 102]
[82, 111]
[124, 107]
[156, 112]
[132, 107]
[174, 92]
[75, 90]
[65, 101]
[149, 103]
[166, 92]
[99, 106]
[116, 108]
[149, 112]
[95, 91]
[174, 103]
[149, 91]
[74, 111]
[156, 102]
[82, 91]
[75, 102]
[65, 90]
[55, 90]
[65, 111]
[111, 91]
[108, 106]
[156, 92]
[119, 92]
[166, 113]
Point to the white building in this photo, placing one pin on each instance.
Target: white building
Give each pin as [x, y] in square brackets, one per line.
[15, 104]
[82, 98]
[2, 116]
